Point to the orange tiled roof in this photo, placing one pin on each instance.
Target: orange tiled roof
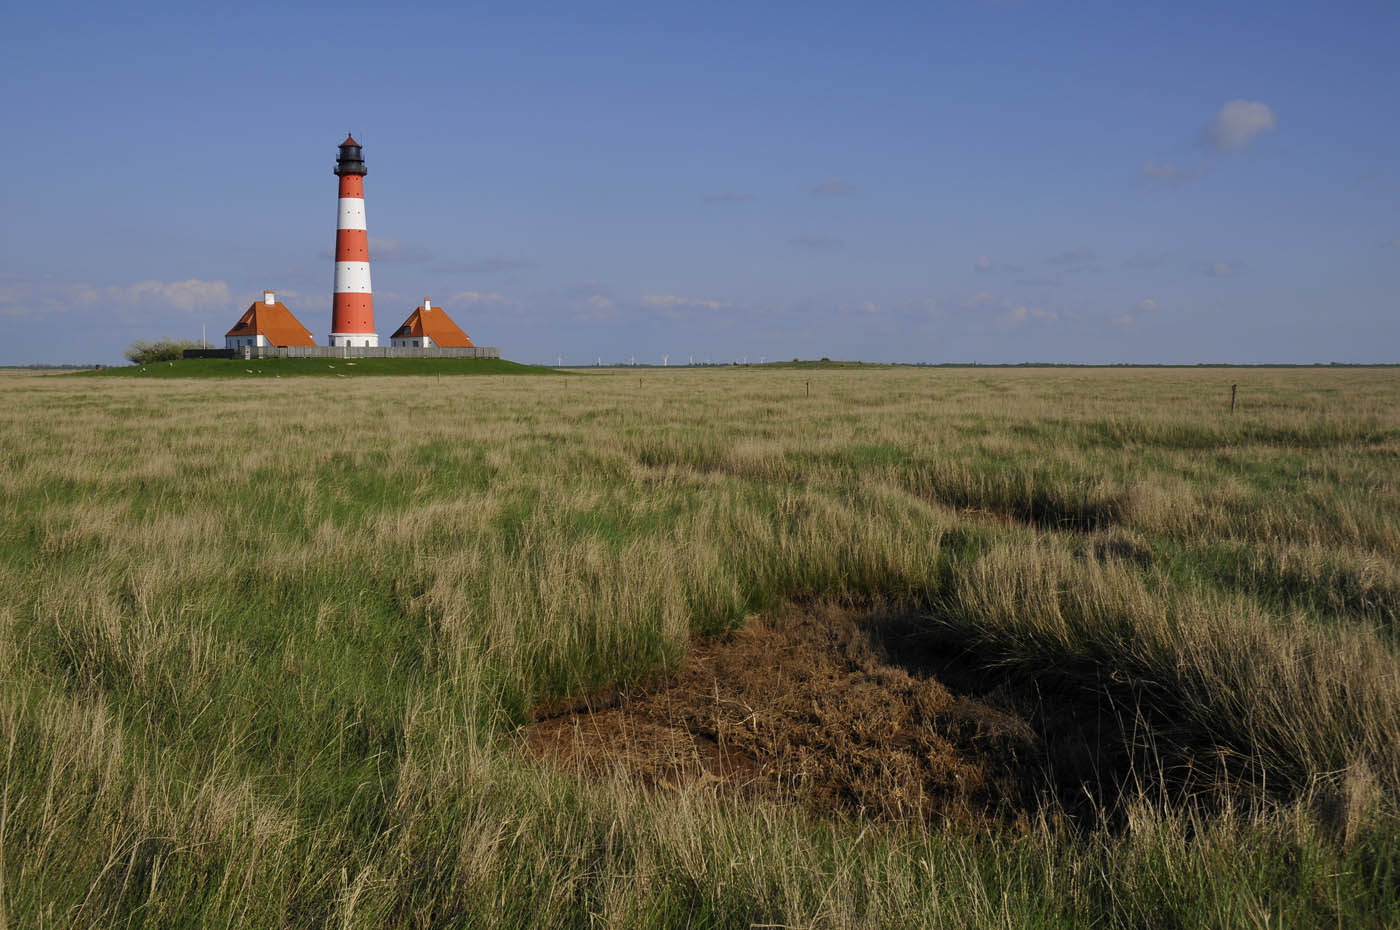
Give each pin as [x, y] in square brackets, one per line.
[275, 322]
[436, 325]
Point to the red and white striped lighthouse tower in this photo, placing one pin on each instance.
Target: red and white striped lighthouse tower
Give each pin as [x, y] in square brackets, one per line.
[352, 310]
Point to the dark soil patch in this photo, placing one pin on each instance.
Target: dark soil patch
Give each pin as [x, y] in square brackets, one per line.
[874, 715]
[846, 712]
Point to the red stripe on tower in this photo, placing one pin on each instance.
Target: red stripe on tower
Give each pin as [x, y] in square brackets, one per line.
[352, 308]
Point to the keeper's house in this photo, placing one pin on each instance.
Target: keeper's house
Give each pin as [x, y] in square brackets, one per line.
[268, 323]
[429, 327]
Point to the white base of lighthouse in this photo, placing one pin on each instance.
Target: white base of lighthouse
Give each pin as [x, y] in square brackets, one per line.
[354, 340]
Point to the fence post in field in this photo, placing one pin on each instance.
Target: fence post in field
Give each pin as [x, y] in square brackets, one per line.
[1233, 388]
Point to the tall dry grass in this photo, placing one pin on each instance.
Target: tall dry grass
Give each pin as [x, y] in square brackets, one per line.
[266, 645]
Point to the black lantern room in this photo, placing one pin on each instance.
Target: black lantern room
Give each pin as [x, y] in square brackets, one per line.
[350, 160]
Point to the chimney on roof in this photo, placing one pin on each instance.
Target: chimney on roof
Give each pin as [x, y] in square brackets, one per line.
[269, 298]
[427, 304]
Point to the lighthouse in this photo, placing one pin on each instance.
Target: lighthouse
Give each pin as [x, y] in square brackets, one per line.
[352, 309]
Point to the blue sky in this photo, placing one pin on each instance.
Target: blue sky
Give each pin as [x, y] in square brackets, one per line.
[993, 182]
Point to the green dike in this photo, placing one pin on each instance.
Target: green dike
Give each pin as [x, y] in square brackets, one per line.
[317, 367]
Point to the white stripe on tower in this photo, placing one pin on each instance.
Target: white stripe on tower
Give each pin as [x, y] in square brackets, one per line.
[352, 213]
[352, 278]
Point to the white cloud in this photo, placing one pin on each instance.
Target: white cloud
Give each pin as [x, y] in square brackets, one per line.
[980, 299]
[28, 298]
[1123, 319]
[193, 294]
[1147, 305]
[833, 187]
[668, 300]
[599, 302]
[1169, 172]
[1016, 314]
[983, 263]
[1221, 269]
[36, 297]
[1238, 123]
[477, 297]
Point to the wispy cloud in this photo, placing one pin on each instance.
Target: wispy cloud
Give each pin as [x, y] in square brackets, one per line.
[193, 294]
[1073, 258]
[1170, 172]
[1239, 123]
[1147, 305]
[38, 297]
[1011, 313]
[477, 297]
[395, 250]
[985, 263]
[485, 265]
[728, 197]
[596, 307]
[670, 300]
[1222, 269]
[1039, 282]
[834, 187]
[864, 306]
[1145, 261]
[817, 243]
[1017, 314]
[1123, 319]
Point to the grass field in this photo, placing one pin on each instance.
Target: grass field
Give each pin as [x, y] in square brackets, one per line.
[272, 651]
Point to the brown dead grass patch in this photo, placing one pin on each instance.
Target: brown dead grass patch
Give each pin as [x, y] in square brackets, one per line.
[808, 705]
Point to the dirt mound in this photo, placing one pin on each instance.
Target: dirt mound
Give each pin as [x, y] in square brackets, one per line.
[819, 705]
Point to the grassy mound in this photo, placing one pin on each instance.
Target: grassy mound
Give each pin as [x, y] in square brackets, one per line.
[318, 367]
